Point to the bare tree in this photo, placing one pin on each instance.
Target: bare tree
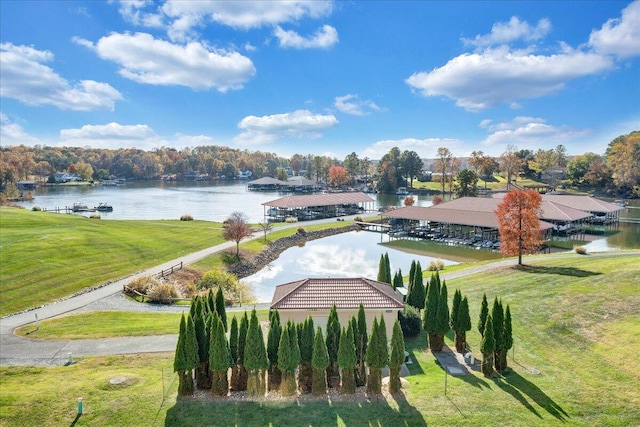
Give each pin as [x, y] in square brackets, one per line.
[443, 162]
[236, 228]
[265, 226]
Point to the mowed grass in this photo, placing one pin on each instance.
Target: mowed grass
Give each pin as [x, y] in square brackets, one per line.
[576, 322]
[46, 256]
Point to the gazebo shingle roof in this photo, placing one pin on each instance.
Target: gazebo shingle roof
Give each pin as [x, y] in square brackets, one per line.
[345, 293]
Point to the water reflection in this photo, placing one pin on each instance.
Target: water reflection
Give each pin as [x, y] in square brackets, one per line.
[354, 254]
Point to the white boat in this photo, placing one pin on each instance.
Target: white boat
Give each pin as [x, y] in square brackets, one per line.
[402, 191]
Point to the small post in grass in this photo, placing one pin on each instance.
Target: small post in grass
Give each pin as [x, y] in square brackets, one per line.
[37, 322]
[446, 374]
[80, 406]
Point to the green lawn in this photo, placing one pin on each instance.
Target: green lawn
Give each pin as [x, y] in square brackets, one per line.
[46, 256]
[576, 321]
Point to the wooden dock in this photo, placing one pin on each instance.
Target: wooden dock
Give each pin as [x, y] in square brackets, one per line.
[373, 226]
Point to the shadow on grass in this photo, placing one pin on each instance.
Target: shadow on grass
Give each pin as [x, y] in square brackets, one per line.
[187, 413]
[562, 271]
[519, 387]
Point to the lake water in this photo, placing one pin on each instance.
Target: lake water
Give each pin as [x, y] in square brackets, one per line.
[353, 254]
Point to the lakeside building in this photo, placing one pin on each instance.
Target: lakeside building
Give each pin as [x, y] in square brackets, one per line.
[316, 206]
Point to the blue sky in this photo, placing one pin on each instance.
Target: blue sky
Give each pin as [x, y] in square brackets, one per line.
[314, 77]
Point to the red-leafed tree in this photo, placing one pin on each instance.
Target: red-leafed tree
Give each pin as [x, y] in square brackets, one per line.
[519, 223]
[338, 176]
[236, 228]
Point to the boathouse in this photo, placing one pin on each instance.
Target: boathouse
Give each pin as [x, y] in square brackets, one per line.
[317, 206]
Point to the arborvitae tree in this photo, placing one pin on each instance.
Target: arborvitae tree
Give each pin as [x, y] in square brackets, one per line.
[497, 317]
[287, 359]
[233, 349]
[463, 324]
[211, 301]
[219, 358]
[203, 374]
[418, 293]
[333, 342]
[488, 347]
[361, 339]
[186, 356]
[431, 309]
[319, 363]
[412, 273]
[242, 344]
[255, 358]
[347, 359]
[484, 311]
[220, 307]
[387, 268]
[306, 353]
[273, 340]
[398, 282]
[442, 319]
[396, 358]
[507, 339]
[377, 356]
[382, 270]
[194, 306]
[455, 307]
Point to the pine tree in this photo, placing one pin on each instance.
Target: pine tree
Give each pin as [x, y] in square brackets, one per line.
[233, 349]
[418, 293]
[220, 307]
[387, 268]
[347, 359]
[186, 356]
[396, 359]
[211, 301]
[381, 269]
[288, 359]
[273, 340]
[377, 356]
[397, 280]
[431, 310]
[455, 307]
[442, 320]
[361, 339]
[333, 342]
[194, 306]
[412, 274]
[255, 358]
[507, 339]
[203, 376]
[463, 324]
[305, 372]
[219, 358]
[319, 363]
[497, 316]
[488, 347]
[484, 311]
[242, 344]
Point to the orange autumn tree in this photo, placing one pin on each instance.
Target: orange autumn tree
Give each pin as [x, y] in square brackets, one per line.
[519, 223]
[338, 176]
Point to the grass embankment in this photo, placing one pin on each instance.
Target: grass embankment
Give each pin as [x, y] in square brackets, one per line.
[47, 256]
[576, 320]
[108, 324]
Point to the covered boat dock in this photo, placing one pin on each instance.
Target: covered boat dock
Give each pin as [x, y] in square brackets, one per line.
[317, 206]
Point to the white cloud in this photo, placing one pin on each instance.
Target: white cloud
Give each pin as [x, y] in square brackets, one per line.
[531, 133]
[12, 134]
[506, 32]
[132, 11]
[181, 140]
[324, 38]
[109, 131]
[27, 79]
[482, 80]
[351, 104]
[147, 60]
[426, 148]
[300, 124]
[620, 37]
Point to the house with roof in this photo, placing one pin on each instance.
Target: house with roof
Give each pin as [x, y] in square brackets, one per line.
[314, 297]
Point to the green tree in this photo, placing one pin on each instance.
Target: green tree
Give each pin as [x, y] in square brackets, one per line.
[377, 356]
[497, 316]
[220, 308]
[411, 165]
[186, 356]
[507, 339]
[455, 307]
[431, 309]
[305, 373]
[462, 325]
[233, 349]
[361, 340]
[333, 343]
[396, 358]
[398, 282]
[623, 158]
[578, 167]
[347, 360]
[255, 358]
[384, 269]
[219, 358]
[319, 363]
[352, 165]
[442, 318]
[203, 376]
[242, 345]
[488, 347]
[412, 273]
[288, 359]
[417, 294]
[466, 184]
[273, 341]
[484, 312]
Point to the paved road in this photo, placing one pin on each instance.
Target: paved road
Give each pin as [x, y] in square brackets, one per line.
[23, 351]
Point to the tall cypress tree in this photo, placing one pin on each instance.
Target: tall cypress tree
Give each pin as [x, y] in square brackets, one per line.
[507, 339]
[377, 356]
[484, 312]
[233, 349]
[273, 340]
[306, 354]
[220, 307]
[255, 358]
[381, 269]
[497, 317]
[347, 359]
[361, 339]
[219, 358]
[455, 307]
[319, 363]
[333, 342]
[488, 347]
[242, 344]
[186, 356]
[387, 268]
[288, 359]
[412, 274]
[463, 324]
[203, 376]
[418, 293]
[211, 301]
[398, 282]
[442, 319]
[396, 358]
[431, 310]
